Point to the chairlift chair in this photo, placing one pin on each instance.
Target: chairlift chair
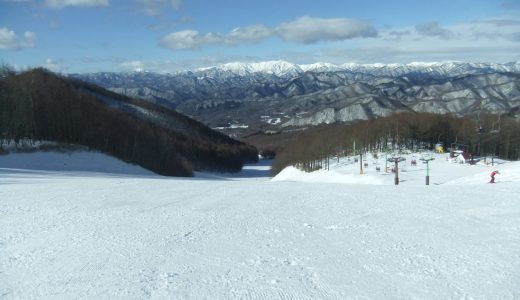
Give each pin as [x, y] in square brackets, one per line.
[495, 127]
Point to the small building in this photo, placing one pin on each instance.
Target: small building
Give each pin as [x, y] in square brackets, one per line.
[439, 148]
[461, 157]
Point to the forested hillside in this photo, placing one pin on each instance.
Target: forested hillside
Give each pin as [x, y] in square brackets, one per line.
[40, 105]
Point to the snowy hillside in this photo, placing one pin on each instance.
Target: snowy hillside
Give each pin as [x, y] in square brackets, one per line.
[442, 170]
[80, 235]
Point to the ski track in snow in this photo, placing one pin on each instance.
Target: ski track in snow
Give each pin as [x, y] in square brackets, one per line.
[149, 237]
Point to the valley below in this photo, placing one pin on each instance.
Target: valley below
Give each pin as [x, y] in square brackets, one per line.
[242, 98]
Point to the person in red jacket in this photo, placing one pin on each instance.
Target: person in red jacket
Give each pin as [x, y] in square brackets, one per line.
[493, 176]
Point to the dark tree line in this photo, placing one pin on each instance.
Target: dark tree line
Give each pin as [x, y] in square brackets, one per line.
[39, 105]
[484, 134]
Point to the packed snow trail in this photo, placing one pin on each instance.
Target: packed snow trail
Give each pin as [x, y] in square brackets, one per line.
[64, 237]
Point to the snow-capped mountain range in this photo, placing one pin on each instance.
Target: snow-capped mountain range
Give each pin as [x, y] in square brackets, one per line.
[285, 69]
[280, 94]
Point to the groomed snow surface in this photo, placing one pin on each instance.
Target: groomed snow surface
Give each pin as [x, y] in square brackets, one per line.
[86, 226]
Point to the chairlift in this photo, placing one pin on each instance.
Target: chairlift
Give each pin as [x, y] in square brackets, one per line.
[478, 127]
[396, 157]
[495, 128]
[425, 156]
[403, 168]
[458, 146]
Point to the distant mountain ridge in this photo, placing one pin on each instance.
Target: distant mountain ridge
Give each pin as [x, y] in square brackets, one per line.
[278, 94]
[284, 69]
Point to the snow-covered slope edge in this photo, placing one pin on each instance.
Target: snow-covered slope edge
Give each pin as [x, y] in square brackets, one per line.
[77, 162]
[509, 173]
[293, 174]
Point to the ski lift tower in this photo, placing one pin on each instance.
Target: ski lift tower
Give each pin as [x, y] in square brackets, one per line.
[495, 130]
[426, 160]
[360, 158]
[396, 160]
[480, 130]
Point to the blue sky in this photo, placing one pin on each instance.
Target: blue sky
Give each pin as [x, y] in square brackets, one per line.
[170, 35]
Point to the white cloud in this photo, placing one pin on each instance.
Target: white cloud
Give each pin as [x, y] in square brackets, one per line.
[59, 4]
[433, 29]
[190, 39]
[491, 40]
[134, 65]
[250, 34]
[9, 40]
[304, 30]
[502, 28]
[398, 34]
[309, 30]
[52, 65]
[488, 40]
[170, 66]
[156, 7]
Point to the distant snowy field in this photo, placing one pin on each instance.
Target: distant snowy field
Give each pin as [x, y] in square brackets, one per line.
[87, 226]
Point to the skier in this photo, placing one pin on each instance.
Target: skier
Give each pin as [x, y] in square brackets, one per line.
[493, 176]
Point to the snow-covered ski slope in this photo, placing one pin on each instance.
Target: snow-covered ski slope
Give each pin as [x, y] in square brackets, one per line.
[77, 234]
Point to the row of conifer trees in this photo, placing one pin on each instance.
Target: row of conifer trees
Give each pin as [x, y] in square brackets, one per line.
[485, 135]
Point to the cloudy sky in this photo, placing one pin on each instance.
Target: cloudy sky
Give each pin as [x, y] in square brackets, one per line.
[170, 35]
